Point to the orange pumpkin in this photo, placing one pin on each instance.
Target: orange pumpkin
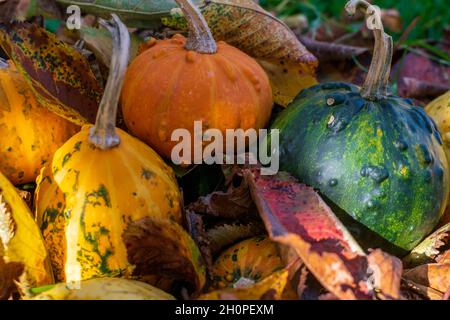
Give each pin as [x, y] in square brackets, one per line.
[178, 81]
[29, 133]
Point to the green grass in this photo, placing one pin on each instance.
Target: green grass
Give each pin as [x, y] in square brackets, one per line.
[434, 14]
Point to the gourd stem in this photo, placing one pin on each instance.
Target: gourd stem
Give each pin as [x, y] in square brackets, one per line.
[200, 37]
[103, 134]
[376, 84]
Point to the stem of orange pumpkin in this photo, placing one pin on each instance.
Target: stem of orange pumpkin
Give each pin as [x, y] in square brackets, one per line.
[200, 37]
[376, 84]
[103, 134]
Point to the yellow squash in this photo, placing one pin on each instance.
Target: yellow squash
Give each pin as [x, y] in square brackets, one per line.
[100, 182]
[21, 242]
[439, 110]
[246, 263]
[102, 289]
[29, 133]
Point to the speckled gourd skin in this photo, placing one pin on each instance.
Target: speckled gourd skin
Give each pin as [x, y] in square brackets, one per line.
[381, 161]
[168, 87]
[29, 133]
[246, 262]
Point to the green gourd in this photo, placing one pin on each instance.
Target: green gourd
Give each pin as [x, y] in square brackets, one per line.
[371, 154]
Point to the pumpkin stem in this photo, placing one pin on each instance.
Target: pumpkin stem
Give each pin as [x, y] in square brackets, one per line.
[103, 134]
[200, 37]
[376, 84]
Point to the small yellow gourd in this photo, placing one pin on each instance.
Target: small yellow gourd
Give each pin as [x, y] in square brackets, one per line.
[99, 183]
[102, 289]
[439, 110]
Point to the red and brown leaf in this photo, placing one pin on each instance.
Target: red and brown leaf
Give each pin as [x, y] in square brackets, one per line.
[420, 77]
[59, 75]
[295, 215]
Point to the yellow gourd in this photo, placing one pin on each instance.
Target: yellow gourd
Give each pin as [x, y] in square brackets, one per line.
[439, 110]
[102, 289]
[99, 183]
[29, 133]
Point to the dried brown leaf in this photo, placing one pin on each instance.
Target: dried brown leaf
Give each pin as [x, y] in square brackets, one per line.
[233, 204]
[224, 235]
[8, 10]
[392, 20]
[412, 289]
[433, 275]
[163, 248]
[387, 273]
[9, 275]
[444, 258]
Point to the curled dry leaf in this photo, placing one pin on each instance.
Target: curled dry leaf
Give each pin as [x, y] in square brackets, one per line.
[223, 235]
[269, 288]
[433, 275]
[59, 75]
[296, 216]
[247, 26]
[233, 204]
[428, 249]
[163, 248]
[23, 256]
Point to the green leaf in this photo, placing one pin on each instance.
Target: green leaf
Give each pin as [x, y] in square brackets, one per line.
[135, 13]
